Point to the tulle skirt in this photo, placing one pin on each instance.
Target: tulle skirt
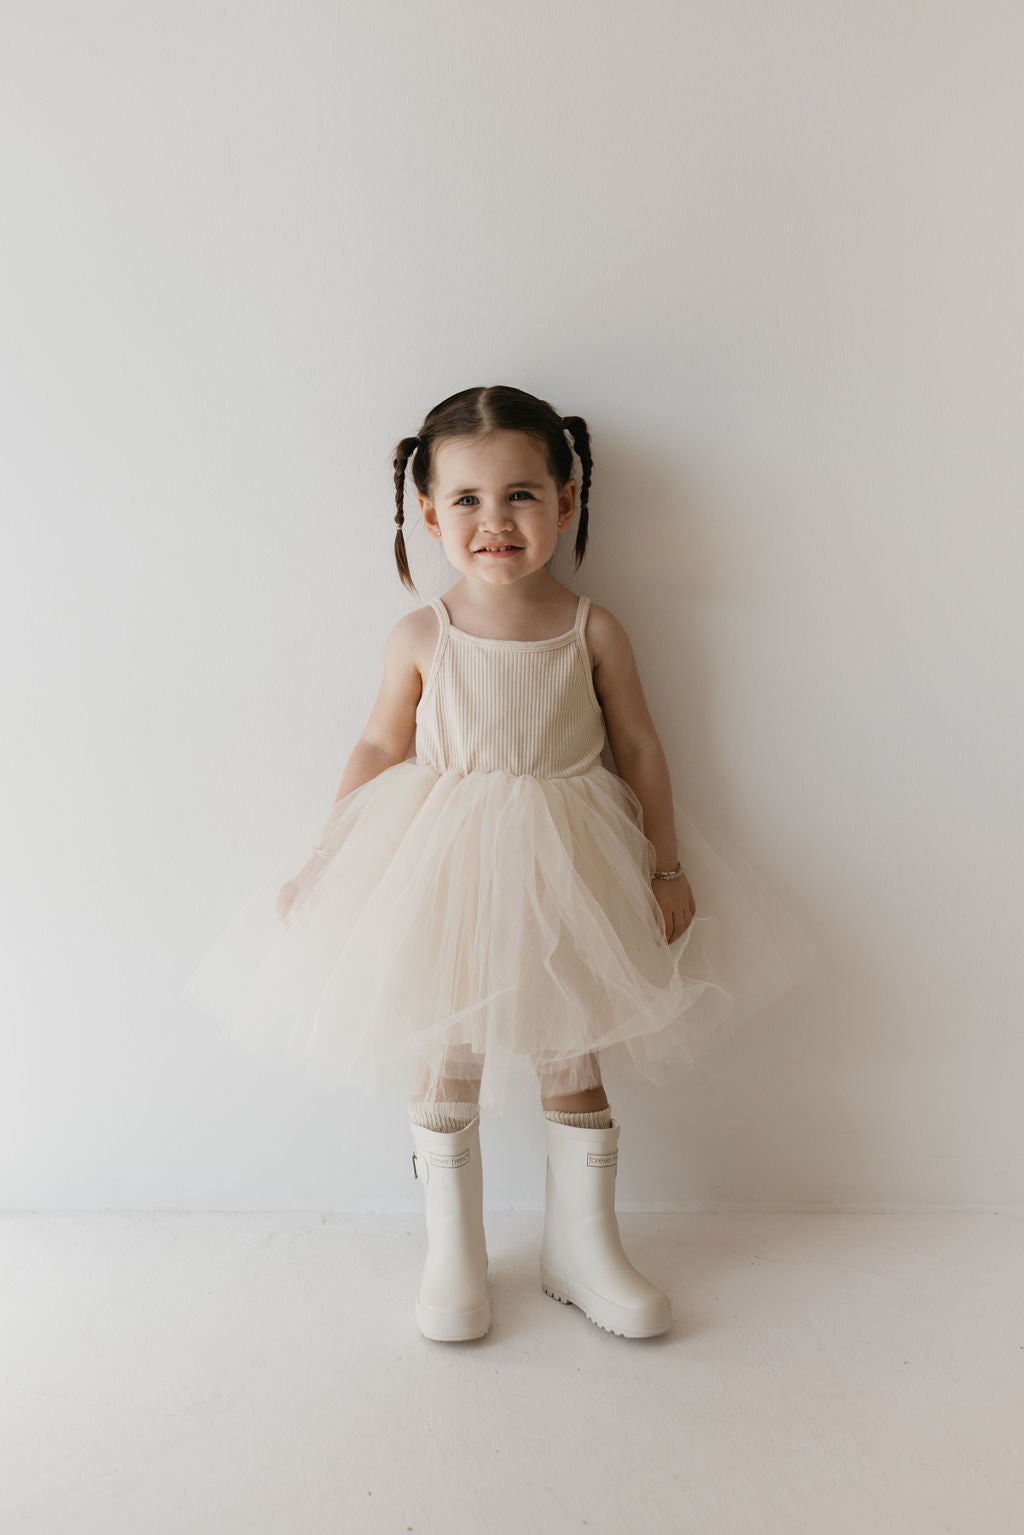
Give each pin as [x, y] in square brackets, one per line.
[490, 919]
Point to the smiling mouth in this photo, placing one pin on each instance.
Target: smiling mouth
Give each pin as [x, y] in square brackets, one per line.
[497, 548]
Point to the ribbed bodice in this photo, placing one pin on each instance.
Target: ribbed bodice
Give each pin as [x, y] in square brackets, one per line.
[525, 706]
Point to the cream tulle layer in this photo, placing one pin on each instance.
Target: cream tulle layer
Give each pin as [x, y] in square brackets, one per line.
[500, 919]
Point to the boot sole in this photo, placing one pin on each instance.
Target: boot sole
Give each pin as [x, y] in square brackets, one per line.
[620, 1320]
[453, 1326]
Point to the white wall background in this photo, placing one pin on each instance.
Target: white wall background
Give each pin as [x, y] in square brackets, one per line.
[772, 253]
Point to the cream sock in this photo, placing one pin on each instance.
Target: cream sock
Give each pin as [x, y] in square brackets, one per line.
[446, 1115]
[597, 1119]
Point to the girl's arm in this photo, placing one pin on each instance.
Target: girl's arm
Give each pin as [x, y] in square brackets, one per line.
[389, 731]
[639, 757]
[639, 760]
[392, 723]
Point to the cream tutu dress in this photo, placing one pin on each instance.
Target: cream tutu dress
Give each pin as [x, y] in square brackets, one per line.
[489, 900]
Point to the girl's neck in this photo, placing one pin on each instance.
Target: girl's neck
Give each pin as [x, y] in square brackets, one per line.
[537, 602]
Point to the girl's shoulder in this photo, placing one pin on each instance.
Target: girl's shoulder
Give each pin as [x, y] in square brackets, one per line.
[417, 634]
[605, 635]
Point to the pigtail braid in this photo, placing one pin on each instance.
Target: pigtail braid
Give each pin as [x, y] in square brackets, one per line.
[577, 429]
[406, 448]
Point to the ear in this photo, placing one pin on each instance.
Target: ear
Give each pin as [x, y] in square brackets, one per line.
[429, 515]
[567, 501]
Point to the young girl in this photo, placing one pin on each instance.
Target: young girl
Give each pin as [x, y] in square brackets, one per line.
[502, 895]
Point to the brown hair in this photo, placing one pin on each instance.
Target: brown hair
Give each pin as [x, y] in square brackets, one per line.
[492, 408]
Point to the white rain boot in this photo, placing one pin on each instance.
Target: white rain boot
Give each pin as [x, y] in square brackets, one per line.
[452, 1304]
[582, 1260]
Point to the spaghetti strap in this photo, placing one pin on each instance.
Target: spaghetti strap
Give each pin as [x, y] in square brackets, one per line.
[439, 648]
[442, 613]
[582, 608]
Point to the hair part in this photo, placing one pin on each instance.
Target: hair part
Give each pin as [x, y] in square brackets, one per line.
[475, 412]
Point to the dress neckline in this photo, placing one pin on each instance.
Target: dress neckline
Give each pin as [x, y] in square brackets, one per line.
[484, 639]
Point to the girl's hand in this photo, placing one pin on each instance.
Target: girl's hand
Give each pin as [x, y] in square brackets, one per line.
[291, 893]
[678, 907]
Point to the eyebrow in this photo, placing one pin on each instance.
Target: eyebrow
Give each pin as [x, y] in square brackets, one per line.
[471, 490]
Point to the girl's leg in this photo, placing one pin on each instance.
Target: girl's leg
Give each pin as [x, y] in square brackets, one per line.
[459, 1078]
[450, 1100]
[465, 1089]
[573, 1088]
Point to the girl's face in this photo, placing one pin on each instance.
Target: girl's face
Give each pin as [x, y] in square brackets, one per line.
[496, 490]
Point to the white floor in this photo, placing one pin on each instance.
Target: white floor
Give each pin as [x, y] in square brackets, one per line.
[243, 1374]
